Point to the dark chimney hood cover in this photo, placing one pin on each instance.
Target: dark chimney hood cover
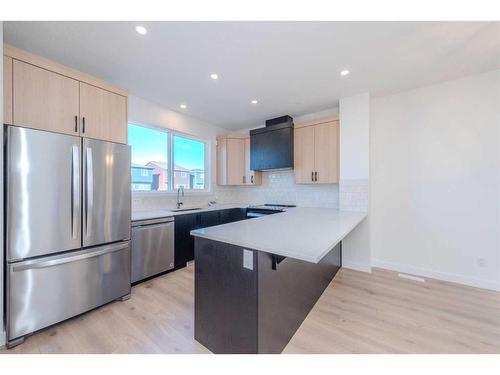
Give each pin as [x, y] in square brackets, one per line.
[271, 147]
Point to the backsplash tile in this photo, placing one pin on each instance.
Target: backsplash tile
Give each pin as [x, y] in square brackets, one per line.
[354, 195]
[277, 187]
[162, 202]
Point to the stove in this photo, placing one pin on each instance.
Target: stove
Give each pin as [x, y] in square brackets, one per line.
[272, 206]
[266, 209]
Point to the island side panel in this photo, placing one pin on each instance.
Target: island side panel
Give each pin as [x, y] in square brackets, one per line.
[287, 294]
[225, 298]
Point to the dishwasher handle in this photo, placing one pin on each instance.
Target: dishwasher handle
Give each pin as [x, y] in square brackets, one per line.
[150, 226]
[151, 222]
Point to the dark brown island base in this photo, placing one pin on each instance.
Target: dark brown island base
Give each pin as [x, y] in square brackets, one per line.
[249, 301]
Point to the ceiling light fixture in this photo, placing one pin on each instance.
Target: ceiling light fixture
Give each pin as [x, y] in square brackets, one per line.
[183, 106]
[141, 30]
[254, 101]
[344, 72]
[214, 76]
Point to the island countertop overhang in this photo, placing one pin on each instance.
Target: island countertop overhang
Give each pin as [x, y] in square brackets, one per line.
[302, 233]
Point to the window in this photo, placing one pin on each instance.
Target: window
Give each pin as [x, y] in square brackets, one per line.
[149, 158]
[162, 156]
[189, 163]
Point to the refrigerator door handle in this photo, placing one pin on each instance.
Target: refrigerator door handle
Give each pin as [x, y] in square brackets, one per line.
[89, 193]
[75, 191]
[54, 261]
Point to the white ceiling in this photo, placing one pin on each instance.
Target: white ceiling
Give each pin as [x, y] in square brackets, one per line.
[290, 67]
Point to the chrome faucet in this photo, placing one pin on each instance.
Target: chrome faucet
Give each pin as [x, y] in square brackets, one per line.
[179, 203]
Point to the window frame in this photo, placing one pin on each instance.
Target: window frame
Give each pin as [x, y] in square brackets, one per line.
[170, 162]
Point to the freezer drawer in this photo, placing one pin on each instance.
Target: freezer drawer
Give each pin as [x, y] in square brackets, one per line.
[45, 291]
[152, 248]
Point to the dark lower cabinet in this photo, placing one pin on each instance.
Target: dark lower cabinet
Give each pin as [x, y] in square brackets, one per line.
[184, 242]
[185, 223]
[208, 219]
[254, 305]
[232, 215]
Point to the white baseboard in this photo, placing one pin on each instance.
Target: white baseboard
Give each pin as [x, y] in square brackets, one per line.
[356, 266]
[444, 276]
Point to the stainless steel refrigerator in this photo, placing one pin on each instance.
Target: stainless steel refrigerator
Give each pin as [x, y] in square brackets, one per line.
[67, 227]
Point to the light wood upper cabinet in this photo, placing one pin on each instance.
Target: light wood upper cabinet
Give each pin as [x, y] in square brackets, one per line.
[43, 94]
[303, 158]
[44, 100]
[233, 162]
[7, 90]
[103, 114]
[326, 152]
[316, 158]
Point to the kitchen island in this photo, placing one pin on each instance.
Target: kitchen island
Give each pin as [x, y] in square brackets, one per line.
[256, 280]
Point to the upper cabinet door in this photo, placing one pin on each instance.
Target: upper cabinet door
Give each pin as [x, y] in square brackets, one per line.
[326, 152]
[235, 161]
[103, 114]
[251, 177]
[304, 155]
[44, 100]
[7, 90]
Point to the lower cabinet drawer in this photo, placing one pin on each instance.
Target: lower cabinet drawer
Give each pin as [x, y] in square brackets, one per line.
[45, 291]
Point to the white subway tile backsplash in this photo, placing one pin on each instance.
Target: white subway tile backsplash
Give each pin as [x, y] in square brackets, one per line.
[277, 187]
[354, 195]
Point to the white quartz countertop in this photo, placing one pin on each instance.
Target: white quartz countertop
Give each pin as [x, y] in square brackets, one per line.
[158, 214]
[302, 233]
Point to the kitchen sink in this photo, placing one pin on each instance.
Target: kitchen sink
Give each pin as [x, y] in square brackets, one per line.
[185, 209]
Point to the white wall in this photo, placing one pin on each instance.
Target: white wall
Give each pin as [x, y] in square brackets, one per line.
[355, 137]
[2, 332]
[354, 177]
[141, 111]
[435, 181]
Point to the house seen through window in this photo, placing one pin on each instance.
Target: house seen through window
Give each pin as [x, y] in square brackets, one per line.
[165, 161]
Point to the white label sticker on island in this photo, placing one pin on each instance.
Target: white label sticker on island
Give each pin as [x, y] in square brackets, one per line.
[248, 259]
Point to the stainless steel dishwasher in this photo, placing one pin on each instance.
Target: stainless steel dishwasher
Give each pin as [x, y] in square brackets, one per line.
[152, 247]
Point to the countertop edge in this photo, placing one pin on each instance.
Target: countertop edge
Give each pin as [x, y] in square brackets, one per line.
[167, 213]
[198, 233]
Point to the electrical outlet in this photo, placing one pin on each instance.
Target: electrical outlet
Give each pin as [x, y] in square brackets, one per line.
[248, 259]
[481, 262]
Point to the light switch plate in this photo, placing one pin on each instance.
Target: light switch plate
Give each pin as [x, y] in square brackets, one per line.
[248, 259]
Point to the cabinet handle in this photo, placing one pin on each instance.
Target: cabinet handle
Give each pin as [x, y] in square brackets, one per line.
[315, 176]
[83, 124]
[76, 124]
[251, 179]
[312, 176]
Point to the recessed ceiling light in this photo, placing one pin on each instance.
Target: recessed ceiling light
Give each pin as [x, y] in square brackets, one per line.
[344, 72]
[141, 30]
[183, 106]
[214, 76]
[254, 101]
